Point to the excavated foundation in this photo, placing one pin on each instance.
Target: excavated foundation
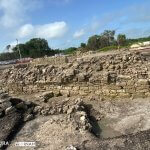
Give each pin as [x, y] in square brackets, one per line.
[92, 102]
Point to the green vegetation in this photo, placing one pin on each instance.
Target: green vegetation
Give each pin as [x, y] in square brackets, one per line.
[108, 48]
[106, 41]
[34, 48]
[121, 40]
[9, 56]
[37, 47]
[70, 50]
[100, 41]
[138, 40]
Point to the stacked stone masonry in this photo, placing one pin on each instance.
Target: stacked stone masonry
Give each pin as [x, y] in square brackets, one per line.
[126, 74]
[55, 60]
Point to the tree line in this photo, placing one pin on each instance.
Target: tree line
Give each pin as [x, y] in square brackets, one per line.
[37, 47]
[97, 42]
[107, 41]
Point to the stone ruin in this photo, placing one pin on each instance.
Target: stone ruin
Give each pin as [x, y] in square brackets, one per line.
[60, 106]
[119, 75]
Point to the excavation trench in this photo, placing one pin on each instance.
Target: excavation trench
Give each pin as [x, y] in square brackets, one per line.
[106, 130]
[102, 129]
[121, 118]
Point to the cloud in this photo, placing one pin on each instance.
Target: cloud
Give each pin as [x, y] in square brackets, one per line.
[25, 31]
[79, 34]
[14, 12]
[52, 30]
[48, 31]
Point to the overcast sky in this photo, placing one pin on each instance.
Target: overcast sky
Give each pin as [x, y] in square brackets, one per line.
[66, 23]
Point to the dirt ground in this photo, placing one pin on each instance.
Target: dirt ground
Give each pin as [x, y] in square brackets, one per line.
[112, 121]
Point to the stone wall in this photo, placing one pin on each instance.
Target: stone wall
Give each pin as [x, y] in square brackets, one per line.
[118, 75]
[54, 60]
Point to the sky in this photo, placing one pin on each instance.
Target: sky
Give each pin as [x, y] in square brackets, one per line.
[66, 23]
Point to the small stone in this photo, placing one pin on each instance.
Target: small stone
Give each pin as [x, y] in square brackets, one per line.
[81, 77]
[65, 108]
[47, 95]
[59, 110]
[44, 112]
[37, 109]
[28, 117]
[70, 110]
[9, 109]
[52, 111]
[71, 147]
[82, 118]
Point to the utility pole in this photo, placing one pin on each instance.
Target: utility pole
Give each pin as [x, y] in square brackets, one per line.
[18, 49]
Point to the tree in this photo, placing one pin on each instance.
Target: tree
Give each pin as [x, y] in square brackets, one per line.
[83, 45]
[93, 42]
[35, 48]
[121, 40]
[109, 35]
[8, 56]
[100, 41]
[8, 47]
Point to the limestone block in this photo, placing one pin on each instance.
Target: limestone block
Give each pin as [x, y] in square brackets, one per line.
[113, 91]
[81, 77]
[143, 82]
[124, 95]
[83, 93]
[138, 95]
[113, 95]
[131, 90]
[68, 88]
[124, 77]
[84, 88]
[98, 92]
[65, 92]
[106, 91]
[74, 93]
[76, 88]
[141, 87]
[130, 82]
[122, 84]
[115, 87]
[121, 91]
[142, 91]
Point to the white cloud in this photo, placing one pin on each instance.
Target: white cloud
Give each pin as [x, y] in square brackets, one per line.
[79, 34]
[25, 31]
[48, 31]
[52, 30]
[12, 12]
